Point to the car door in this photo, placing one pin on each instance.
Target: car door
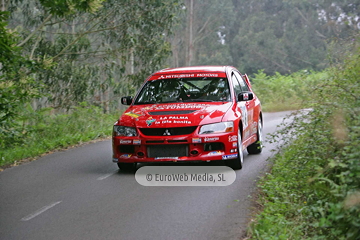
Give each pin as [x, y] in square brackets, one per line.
[247, 107]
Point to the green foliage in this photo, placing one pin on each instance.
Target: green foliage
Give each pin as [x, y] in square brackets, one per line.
[17, 86]
[65, 7]
[43, 131]
[287, 92]
[209, 19]
[7, 41]
[313, 190]
[59, 53]
[97, 49]
[273, 35]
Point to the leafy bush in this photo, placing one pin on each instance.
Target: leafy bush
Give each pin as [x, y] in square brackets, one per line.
[16, 83]
[290, 92]
[313, 190]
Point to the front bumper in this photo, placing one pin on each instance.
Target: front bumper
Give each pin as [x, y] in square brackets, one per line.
[175, 148]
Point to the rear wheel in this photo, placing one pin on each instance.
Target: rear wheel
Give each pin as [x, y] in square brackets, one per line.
[237, 163]
[257, 146]
[127, 167]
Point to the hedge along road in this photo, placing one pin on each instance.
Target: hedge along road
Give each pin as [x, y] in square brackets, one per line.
[80, 194]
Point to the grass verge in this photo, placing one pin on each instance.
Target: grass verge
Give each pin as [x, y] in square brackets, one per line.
[313, 189]
[44, 132]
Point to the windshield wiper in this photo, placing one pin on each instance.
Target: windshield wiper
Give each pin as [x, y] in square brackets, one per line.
[198, 100]
[146, 102]
[171, 101]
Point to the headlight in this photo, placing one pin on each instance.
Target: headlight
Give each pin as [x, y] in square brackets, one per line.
[220, 127]
[125, 131]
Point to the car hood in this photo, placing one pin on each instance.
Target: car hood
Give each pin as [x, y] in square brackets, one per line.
[174, 114]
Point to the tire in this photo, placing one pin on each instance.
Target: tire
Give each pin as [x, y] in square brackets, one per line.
[127, 167]
[257, 146]
[237, 163]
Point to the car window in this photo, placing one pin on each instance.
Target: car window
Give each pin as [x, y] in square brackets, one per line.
[236, 84]
[244, 86]
[184, 90]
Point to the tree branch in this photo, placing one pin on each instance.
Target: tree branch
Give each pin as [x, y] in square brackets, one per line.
[32, 34]
[306, 20]
[270, 60]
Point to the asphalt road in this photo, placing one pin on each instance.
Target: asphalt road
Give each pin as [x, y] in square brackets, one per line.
[80, 194]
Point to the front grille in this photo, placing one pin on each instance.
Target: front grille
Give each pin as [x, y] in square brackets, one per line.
[214, 146]
[177, 141]
[127, 148]
[167, 131]
[155, 141]
[171, 150]
[171, 112]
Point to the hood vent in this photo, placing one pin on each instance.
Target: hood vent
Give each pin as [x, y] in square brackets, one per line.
[167, 131]
[171, 112]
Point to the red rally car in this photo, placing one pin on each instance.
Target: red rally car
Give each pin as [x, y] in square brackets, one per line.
[200, 113]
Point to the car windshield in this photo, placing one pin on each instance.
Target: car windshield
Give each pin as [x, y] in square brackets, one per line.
[184, 90]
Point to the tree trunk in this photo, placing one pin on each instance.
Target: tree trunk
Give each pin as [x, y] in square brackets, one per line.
[190, 32]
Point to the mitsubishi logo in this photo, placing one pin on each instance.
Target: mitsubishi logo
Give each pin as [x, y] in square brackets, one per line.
[167, 133]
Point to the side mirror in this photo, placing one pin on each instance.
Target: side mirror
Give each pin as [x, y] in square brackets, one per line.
[245, 96]
[126, 100]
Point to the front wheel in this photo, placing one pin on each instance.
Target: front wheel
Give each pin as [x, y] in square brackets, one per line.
[127, 167]
[237, 163]
[257, 146]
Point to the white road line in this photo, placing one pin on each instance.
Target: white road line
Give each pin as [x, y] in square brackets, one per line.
[40, 211]
[106, 176]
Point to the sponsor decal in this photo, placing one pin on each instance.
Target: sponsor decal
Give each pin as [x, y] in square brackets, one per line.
[164, 122]
[173, 121]
[246, 96]
[183, 122]
[196, 140]
[125, 156]
[190, 75]
[254, 127]
[211, 139]
[174, 118]
[244, 116]
[253, 130]
[150, 121]
[250, 115]
[177, 76]
[181, 106]
[137, 142]
[207, 75]
[214, 153]
[246, 134]
[231, 156]
[234, 144]
[125, 141]
[233, 138]
[131, 114]
[233, 150]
